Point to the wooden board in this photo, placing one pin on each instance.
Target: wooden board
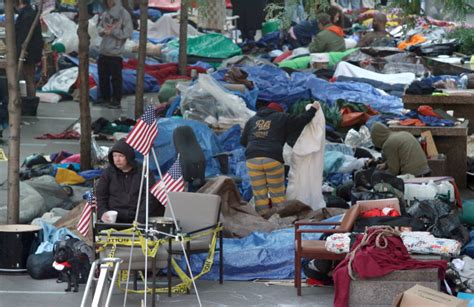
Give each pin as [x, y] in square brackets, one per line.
[431, 149]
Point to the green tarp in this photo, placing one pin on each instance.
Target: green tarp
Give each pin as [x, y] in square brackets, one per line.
[212, 45]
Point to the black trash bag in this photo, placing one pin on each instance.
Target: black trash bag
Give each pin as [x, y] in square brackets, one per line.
[384, 177]
[369, 195]
[40, 266]
[450, 227]
[333, 201]
[428, 212]
[318, 269]
[344, 190]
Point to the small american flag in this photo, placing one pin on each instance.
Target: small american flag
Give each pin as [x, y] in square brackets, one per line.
[84, 220]
[144, 132]
[172, 181]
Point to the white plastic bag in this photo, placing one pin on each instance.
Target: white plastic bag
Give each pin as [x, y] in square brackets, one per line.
[64, 29]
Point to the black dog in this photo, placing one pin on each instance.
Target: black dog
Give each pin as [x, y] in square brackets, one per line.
[64, 255]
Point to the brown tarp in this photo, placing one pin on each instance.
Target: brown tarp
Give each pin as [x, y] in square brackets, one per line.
[240, 219]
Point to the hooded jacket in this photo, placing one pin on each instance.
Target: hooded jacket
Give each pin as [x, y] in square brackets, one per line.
[266, 132]
[328, 40]
[120, 21]
[119, 191]
[400, 150]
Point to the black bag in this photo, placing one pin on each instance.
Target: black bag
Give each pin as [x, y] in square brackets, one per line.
[450, 227]
[40, 266]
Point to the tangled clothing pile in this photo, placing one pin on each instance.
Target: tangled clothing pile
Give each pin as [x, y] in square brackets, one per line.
[373, 258]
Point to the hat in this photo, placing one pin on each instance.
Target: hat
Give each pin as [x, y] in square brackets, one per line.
[275, 106]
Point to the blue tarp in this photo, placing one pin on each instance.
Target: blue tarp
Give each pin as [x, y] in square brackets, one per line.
[260, 255]
[276, 85]
[353, 92]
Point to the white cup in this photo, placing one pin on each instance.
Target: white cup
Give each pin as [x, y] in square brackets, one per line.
[112, 216]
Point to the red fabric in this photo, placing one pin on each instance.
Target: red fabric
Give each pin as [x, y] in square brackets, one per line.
[379, 212]
[275, 107]
[71, 134]
[352, 118]
[370, 262]
[316, 282]
[162, 72]
[75, 158]
[65, 264]
[427, 111]
[412, 122]
[282, 57]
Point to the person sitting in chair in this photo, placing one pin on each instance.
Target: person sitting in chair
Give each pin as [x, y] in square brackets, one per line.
[264, 136]
[119, 187]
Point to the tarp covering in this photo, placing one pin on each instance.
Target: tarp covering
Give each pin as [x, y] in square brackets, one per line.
[210, 46]
[258, 256]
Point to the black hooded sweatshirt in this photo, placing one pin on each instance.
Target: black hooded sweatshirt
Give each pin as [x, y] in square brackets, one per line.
[266, 132]
[119, 191]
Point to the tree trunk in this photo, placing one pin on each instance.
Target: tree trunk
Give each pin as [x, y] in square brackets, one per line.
[140, 90]
[183, 37]
[85, 114]
[13, 202]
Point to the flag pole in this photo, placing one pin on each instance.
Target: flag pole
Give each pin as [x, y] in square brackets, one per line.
[147, 194]
[133, 234]
[180, 237]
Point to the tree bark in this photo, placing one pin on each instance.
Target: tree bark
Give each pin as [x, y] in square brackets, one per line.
[183, 37]
[85, 114]
[140, 90]
[13, 202]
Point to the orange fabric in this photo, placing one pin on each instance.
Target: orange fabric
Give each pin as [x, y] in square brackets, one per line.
[415, 39]
[350, 118]
[427, 111]
[412, 122]
[336, 29]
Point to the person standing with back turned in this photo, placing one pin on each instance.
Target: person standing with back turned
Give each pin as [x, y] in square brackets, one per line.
[115, 27]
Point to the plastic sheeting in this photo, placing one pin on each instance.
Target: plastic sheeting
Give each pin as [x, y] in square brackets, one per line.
[349, 70]
[208, 102]
[64, 29]
[257, 256]
[62, 80]
[354, 92]
[166, 26]
[211, 46]
[165, 149]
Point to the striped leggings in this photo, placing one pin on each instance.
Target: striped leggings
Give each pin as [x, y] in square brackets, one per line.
[267, 176]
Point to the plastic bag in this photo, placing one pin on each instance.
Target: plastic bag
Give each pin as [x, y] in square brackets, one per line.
[361, 138]
[206, 101]
[64, 29]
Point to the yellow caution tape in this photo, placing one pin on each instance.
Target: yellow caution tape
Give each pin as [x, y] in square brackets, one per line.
[152, 248]
[3, 156]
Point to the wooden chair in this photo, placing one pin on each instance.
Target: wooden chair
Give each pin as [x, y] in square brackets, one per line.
[315, 249]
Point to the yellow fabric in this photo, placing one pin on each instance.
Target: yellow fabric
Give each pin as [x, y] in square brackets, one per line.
[66, 176]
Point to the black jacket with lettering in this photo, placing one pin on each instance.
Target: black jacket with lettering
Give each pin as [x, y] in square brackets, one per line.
[266, 132]
[119, 191]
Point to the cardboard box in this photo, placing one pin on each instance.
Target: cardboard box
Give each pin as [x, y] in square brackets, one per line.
[420, 296]
[366, 205]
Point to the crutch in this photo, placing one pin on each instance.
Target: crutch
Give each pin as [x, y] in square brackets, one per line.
[105, 265]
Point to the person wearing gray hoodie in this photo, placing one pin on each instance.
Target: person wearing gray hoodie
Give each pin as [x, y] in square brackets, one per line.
[115, 27]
